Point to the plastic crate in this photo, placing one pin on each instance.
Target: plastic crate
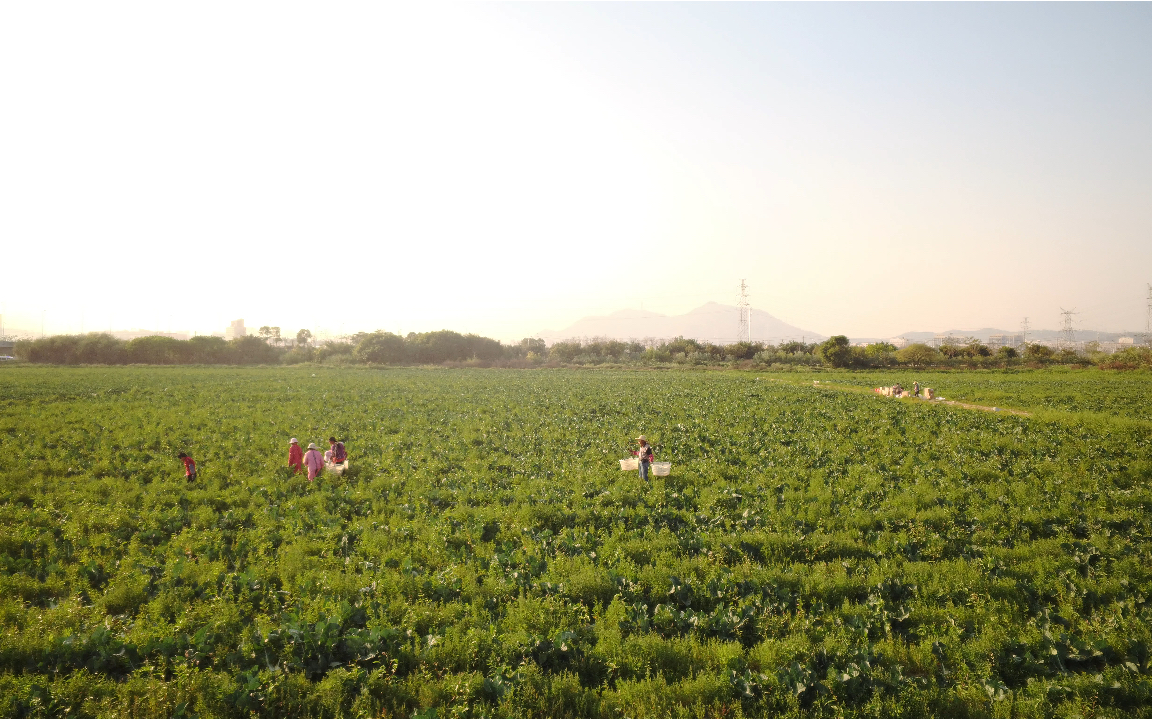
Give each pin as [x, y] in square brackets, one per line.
[630, 464]
[662, 469]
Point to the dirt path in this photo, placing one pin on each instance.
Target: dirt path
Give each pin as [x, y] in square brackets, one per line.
[986, 408]
[869, 391]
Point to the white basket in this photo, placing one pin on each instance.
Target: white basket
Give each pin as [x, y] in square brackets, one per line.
[336, 468]
[661, 469]
[630, 464]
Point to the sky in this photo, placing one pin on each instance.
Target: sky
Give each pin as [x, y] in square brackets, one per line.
[868, 169]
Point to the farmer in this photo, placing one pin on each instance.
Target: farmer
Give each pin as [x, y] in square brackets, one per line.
[916, 388]
[189, 466]
[314, 461]
[295, 456]
[336, 453]
[646, 456]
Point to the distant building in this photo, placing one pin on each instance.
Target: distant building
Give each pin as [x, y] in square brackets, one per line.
[1125, 341]
[7, 348]
[943, 339]
[995, 342]
[899, 342]
[235, 330]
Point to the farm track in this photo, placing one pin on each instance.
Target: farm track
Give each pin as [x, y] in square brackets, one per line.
[953, 403]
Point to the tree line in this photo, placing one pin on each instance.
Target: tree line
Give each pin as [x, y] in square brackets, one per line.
[449, 347]
[268, 348]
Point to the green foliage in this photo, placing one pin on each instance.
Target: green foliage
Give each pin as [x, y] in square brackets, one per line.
[1129, 359]
[605, 351]
[1083, 393]
[380, 347]
[453, 349]
[103, 349]
[448, 346]
[1035, 352]
[836, 351]
[154, 350]
[95, 348]
[814, 552]
[917, 355]
[880, 349]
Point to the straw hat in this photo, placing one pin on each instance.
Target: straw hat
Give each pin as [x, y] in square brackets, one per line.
[293, 441]
[642, 439]
[312, 446]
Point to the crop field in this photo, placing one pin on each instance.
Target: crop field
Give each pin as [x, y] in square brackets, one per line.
[815, 552]
[1087, 392]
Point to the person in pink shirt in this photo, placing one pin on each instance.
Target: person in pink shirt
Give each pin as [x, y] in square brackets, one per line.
[314, 461]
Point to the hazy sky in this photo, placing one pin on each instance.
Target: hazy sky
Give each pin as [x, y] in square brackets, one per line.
[502, 169]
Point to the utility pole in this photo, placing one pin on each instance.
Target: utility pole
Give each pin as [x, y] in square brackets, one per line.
[744, 332]
[1068, 332]
[1024, 328]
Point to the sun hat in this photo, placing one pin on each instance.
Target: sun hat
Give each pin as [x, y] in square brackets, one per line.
[293, 441]
[312, 446]
[642, 438]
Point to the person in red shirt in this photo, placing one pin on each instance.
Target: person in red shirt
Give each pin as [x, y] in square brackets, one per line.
[189, 466]
[295, 456]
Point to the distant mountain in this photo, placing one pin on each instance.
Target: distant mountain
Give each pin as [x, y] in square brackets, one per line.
[711, 322]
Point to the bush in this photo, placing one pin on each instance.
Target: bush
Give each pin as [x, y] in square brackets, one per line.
[380, 347]
[564, 351]
[155, 350]
[529, 347]
[795, 347]
[448, 346]
[332, 350]
[250, 350]
[91, 349]
[744, 350]
[918, 355]
[1132, 358]
[1035, 352]
[208, 350]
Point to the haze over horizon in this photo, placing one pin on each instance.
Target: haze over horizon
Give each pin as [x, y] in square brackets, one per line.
[501, 169]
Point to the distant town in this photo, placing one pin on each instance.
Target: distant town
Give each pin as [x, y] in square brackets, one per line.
[717, 328]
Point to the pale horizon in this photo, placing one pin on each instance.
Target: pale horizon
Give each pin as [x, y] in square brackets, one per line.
[503, 170]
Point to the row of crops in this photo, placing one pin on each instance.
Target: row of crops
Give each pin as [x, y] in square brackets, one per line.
[815, 552]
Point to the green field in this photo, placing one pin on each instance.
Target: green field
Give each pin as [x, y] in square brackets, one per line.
[815, 551]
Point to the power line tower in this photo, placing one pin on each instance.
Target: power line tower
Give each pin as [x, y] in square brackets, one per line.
[1068, 332]
[744, 332]
[1148, 319]
[1024, 328]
